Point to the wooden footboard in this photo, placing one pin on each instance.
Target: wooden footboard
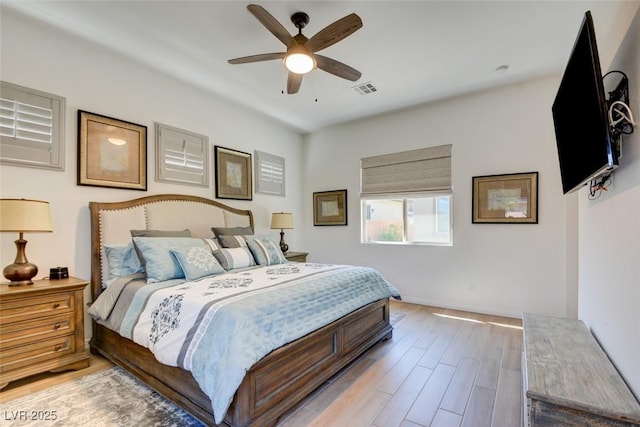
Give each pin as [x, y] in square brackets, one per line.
[275, 384]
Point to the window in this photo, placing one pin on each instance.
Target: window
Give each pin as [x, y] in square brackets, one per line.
[406, 197]
[269, 174]
[181, 156]
[31, 127]
[419, 220]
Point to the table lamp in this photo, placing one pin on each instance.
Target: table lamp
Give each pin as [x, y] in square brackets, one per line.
[282, 220]
[23, 216]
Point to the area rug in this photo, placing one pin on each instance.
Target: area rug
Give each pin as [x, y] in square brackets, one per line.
[109, 398]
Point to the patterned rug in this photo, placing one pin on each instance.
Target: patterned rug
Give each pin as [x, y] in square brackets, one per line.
[109, 398]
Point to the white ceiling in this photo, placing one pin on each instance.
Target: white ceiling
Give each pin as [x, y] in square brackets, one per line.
[412, 51]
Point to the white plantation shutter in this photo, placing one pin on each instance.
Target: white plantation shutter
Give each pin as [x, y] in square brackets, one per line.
[31, 127]
[181, 156]
[269, 174]
[415, 171]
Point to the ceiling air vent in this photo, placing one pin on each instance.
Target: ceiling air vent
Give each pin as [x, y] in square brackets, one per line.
[365, 88]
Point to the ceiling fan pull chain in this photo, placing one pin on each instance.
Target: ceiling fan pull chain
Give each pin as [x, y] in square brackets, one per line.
[315, 82]
[283, 77]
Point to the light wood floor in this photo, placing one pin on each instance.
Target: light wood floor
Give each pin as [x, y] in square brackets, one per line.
[441, 368]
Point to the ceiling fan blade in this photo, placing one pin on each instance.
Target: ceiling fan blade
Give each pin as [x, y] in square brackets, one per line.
[337, 68]
[293, 82]
[335, 32]
[271, 24]
[257, 58]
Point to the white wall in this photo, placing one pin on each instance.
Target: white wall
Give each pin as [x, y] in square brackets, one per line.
[609, 240]
[494, 268]
[103, 82]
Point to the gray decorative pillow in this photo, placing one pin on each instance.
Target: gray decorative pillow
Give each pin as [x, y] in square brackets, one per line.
[232, 241]
[231, 231]
[234, 258]
[161, 233]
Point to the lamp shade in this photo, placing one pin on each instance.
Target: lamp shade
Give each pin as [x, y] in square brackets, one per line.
[25, 216]
[282, 220]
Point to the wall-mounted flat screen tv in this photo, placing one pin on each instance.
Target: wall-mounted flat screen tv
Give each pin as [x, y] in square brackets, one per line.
[585, 148]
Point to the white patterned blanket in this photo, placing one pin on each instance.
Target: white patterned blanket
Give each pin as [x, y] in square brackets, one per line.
[218, 327]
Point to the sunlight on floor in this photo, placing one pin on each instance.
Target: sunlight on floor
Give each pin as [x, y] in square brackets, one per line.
[466, 319]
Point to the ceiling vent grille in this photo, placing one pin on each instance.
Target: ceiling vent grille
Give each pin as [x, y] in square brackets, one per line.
[365, 88]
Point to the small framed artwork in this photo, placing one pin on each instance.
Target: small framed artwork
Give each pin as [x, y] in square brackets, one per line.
[233, 174]
[510, 199]
[111, 152]
[330, 207]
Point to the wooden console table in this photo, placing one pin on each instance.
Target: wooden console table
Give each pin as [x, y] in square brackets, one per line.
[569, 380]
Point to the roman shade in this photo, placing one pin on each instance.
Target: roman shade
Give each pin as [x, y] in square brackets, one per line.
[414, 171]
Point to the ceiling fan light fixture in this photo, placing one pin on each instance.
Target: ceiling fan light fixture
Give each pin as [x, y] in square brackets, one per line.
[299, 63]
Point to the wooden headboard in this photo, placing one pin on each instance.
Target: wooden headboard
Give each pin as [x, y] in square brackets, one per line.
[111, 223]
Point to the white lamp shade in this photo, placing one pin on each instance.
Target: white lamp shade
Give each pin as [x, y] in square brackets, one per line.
[282, 220]
[25, 216]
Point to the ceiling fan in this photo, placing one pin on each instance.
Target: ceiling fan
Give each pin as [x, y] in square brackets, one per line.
[301, 56]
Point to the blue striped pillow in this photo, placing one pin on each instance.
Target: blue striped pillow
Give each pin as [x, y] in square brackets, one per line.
[265, 251]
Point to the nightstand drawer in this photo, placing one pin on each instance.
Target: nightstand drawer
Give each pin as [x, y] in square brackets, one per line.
[21, 309]
[21, 333]
[25, 355]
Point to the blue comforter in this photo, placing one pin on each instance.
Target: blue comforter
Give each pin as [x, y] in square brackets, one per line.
[218, 327]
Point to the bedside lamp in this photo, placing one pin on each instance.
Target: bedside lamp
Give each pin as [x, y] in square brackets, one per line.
[23, 216]
[282, 220]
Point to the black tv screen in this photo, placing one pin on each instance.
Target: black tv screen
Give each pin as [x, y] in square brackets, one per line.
[580, 115]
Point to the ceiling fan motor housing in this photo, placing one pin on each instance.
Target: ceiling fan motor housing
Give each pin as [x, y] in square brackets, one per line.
[300, 20]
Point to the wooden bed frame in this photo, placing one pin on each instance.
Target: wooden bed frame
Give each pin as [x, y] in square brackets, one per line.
[277, 382]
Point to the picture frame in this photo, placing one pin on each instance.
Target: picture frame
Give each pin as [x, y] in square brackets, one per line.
[233, 174]
[111, 152]
[330, 207]
[505, 199]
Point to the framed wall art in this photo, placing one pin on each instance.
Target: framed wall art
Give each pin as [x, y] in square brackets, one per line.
[509, 198]
[233, 174]
[111, 152]
[330, 207]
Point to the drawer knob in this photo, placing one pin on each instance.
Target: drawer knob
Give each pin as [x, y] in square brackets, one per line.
[56, 326]
[58, 347]
[56, 305]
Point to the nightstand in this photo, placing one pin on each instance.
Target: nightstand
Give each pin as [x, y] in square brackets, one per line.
[296, 256]
[41, 328]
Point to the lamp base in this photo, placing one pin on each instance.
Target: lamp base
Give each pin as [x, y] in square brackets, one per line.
[20, 274]
[283, 246]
